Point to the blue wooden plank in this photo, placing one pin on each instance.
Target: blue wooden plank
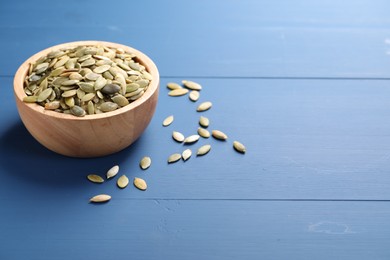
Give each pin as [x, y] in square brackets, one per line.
[306, 139]
[68, 228]
[320, 40]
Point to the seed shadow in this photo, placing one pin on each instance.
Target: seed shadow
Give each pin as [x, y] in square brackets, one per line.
[23, 158]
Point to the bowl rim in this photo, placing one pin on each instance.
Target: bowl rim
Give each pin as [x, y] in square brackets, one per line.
[142, 58]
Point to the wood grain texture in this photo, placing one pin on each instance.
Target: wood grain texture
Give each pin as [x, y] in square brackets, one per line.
[92, 135]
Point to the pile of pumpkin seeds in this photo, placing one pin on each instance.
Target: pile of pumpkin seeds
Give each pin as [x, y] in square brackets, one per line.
[86, 80]
[176, 90]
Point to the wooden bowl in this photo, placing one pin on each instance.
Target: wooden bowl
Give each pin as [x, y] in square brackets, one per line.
[91, 135]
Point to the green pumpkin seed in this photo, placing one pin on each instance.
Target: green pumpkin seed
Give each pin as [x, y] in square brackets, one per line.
[77, 111]
[120, 100]
[108, 106]
[44, 95]
[101, 69]
[69, 93]
[52, 105]
[30, 99]
[90, 108]
[88, 97]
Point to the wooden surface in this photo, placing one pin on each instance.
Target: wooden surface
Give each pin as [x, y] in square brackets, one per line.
[304, 85]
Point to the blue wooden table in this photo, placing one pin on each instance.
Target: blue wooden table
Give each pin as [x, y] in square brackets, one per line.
[303, 84]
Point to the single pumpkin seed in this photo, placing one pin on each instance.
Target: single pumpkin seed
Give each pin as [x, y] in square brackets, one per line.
[100, 198]
[77, 111]
[69, 101]
[191, 139]
[69, 93]
[140, 183]
[194, 95]
[101, 69]
[239, 147]
[88, 62]
[95, 178]
[204, 121]
[110, 89]
[174, 157]
[178, 92]
[69, 82]
[186, 154]
[112, 171]
[90, 108]
[87, 97]
[192, 85]
[177, 136]
[30, 99]
[204, 106]
[203, 132]
[108, 106]
[44, 95]
[145, 162]
[120, 100]
[219, 135]
[203, 150]
[52, 105]
[92, 76]
[173, 85]
[167, 121]
[122, 182]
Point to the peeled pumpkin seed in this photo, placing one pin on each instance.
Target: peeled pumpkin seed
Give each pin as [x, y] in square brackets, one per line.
[203, 132]
[203, 150]
[186, 154]
[87, 97]
[178, 92]
[30, 99]
[120, 100]
[194, 95]
[44, 95]
[204, 106]
[239, 147]
[52, 105]
[173, 85]
[95, 178]
[77, 111]
[108, 106]
[167, 121]
[101, 69]
[219, 135]
[100, 198]
[174, 157]
[140, 183]
[192, 85]
[191, 139]
[145, 163]
[204, 121]
[122, 182]
[112, 172]
[177, 136]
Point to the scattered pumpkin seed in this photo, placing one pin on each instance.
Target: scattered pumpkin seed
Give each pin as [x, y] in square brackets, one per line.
[122, 182]
[140, 183]
[239, 147]
[191, 85]
[177, 136]
[145, 163]
[203, 132]
[186, 154]
[173, 85]
[95, 178]
[191, 139]
[178, 92]
[204, 121]
[100, 198]
[204, 106]
[219, 135]
[174, 157]
[112, 172]
[194, 95]
[203, 150]
[167, 121]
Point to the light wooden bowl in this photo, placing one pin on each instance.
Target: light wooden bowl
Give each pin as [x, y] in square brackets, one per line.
[91, 135]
